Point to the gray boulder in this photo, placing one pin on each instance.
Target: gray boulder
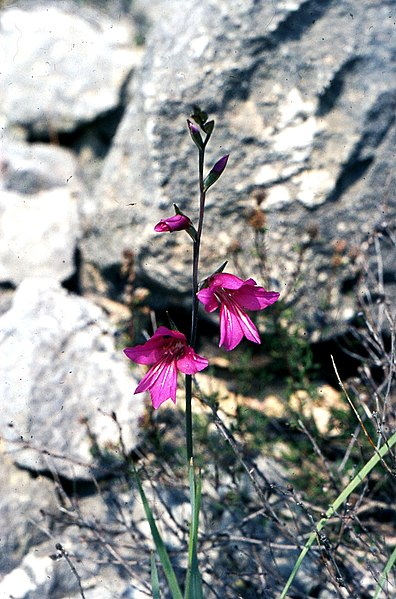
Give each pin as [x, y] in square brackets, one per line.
[39, 220]
[60, 67]
[22, 501]
[38, 234]
[30, 168]
[303, 94]
[61, 379]
[44, 574]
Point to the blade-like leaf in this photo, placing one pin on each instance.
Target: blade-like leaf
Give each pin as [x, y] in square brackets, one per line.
[385, 573]
[343, 496]
[155, 588]
[193, 588]
[159, 544]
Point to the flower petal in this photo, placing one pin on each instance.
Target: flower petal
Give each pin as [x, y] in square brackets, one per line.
[153, 349]
[207, 297]
[191, 362]
[160, 381]
[234, 324]
[248, 327]
[231, 333]
[148, 353]
[226, 280]
[254, 297]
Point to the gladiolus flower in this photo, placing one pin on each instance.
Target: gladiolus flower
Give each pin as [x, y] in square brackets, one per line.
[178, 222]
[234, 297]
[169, 353]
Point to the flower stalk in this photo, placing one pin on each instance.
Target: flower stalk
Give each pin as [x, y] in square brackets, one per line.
[194, 303]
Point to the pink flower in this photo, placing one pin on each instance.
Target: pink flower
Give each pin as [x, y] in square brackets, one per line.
[178, 222]
[168, 351]
[234, 296]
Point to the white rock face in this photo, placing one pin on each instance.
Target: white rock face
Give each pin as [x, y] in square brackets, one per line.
[38, 234]
[303, 98]
[70, 66]
[39, 213]
[61, 378]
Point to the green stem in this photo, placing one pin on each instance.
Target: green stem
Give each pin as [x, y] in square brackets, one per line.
[194, 310]
[189, 435]
[342, 497]
[196, 248]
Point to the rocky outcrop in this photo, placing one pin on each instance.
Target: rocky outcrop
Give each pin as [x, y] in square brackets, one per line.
[62, 82]
[94, 151]
[22, 502]
[61, 382]
[61, 68]
[304, 98]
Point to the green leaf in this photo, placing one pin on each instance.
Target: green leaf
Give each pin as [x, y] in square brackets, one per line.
[221, 268]
[199, 116]
[384, 576]
[193, 588]
[195, 135]
[159, 544]
[343, 496]
[208, 128]
[171, 323]
[204, 283]
[155, 588]
[210, 179]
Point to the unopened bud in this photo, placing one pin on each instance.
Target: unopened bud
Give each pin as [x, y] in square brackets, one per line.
[216, 171]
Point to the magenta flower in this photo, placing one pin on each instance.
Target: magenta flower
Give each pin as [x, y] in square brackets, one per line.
[168, 351]
[235, 296]
[178, 222]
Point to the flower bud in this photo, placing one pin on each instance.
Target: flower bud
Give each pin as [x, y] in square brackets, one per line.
[215, 172]
[178, 222]
[195, 134]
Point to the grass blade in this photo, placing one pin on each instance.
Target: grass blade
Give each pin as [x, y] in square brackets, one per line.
[384, 576]
[193, 588]
[155, 588]
[159, 544]
[343, 496]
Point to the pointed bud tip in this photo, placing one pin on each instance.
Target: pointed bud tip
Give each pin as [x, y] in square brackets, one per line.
[193, 128]
[221, 164]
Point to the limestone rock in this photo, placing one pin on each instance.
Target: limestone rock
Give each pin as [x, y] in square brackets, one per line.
[22, 500]
[38, 234]
[61, 380]
[303, 96]
[31, 168]
[60, 67]
[44, 574]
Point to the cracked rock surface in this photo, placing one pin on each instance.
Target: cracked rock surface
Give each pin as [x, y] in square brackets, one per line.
[61, 379]
[303, 94]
